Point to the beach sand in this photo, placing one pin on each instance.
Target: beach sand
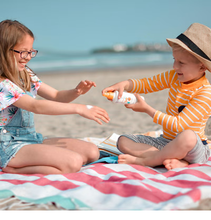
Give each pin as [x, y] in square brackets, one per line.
[122, 120]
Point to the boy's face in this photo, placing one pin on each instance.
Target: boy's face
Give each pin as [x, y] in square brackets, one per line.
[188, 68]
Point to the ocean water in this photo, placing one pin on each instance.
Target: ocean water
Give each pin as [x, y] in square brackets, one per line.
[76, 28]
[46, 62]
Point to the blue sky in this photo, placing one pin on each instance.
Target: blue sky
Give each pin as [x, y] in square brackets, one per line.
[81, 25]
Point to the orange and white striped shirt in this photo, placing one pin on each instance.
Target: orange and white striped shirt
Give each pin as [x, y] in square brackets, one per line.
[193, 100]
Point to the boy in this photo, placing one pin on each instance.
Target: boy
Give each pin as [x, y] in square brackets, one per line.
[188, 108]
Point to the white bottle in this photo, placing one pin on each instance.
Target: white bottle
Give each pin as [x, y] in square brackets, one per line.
[127, 98]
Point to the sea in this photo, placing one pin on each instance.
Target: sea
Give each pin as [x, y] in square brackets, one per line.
[47, 62]
[62, 27]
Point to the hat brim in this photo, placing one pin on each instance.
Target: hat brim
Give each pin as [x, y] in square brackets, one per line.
[206, 62]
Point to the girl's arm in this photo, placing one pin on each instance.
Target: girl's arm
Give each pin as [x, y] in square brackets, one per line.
[49, 93]
[48, 107]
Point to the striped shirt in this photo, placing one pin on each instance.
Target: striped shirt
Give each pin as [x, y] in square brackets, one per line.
[188, 106]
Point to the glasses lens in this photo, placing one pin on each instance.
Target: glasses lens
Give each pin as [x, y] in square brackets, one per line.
[33, 53]
[24, 54]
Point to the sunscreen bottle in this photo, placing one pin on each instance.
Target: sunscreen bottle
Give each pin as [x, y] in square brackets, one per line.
[127, 98]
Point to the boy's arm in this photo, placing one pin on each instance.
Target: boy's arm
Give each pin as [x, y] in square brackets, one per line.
[126, 85]
[153, 84]
[190, 117]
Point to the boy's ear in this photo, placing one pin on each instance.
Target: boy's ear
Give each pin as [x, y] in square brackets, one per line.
[203, 68]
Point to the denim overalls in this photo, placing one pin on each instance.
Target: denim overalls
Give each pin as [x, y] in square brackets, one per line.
[20, 131]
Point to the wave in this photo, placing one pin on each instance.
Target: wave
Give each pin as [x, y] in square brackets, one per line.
[94, 61]
[61, 64]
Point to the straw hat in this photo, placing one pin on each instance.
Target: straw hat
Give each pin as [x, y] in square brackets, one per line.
[196, 40]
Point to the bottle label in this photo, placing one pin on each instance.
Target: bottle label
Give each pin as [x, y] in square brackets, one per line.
[126, 100]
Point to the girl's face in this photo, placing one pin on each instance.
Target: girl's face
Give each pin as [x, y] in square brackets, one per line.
[26, 44]
[188, 68]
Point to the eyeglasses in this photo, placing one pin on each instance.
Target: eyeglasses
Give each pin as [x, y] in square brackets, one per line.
[24, 54]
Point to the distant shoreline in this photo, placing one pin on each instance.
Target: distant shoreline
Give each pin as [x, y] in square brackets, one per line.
[108, 69]
[140, 47]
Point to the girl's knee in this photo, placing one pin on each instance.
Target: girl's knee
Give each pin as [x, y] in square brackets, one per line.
[93, 153]
[72, 165]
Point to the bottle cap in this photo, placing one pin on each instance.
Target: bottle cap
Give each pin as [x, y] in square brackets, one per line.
[109, 95]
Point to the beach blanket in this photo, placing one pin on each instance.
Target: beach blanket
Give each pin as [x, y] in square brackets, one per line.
[104, 186]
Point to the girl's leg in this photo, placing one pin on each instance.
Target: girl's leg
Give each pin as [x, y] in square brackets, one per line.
[44, 159]
[128, 146]
[176, 149]
[52, 159]
[87, 150]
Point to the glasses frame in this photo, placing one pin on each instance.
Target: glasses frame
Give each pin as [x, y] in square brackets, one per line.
[29, 53]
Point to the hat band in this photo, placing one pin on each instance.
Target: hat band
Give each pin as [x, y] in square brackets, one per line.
[192, 46]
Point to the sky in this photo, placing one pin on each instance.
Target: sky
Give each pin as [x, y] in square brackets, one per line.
[83, 25]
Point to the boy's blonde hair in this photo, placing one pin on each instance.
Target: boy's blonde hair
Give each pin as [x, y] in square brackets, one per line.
[178, 47]
[11, 33]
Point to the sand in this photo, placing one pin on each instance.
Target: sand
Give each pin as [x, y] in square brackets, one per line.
[122, 120]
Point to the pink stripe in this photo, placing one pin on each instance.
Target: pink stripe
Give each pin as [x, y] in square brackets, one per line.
[114, 184]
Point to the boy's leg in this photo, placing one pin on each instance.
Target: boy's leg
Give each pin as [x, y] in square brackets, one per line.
[128, 146]
[199, 154]
[174, 163]
[176, 149]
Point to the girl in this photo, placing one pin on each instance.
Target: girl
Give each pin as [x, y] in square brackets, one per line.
[188, 109]
[22, 150]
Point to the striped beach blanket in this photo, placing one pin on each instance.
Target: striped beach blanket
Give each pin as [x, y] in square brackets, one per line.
[104, 186]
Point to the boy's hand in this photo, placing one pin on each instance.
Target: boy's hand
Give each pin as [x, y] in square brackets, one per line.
[141, 106]
[120, 87]
[84, 86]
[94, 113]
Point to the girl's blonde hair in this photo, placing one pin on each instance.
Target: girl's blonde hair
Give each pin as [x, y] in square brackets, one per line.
[11, 33]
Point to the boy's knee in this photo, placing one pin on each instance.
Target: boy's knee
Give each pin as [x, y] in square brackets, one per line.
[188, 139]
[121, 143]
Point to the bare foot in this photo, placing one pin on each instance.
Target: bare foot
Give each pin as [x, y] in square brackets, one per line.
[174, 163]
[129, 159]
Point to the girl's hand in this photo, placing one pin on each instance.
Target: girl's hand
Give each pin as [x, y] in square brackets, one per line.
[120, 87]
[84, 86]
[94, 113]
